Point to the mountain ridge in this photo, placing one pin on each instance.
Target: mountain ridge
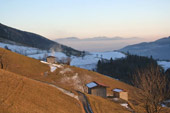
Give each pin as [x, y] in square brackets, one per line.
[94, 38]
[33, 40]
[157, 49]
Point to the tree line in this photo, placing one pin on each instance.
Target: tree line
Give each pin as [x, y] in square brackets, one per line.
[124, 68]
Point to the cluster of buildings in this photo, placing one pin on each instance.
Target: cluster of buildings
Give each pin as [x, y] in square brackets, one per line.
[99, 89]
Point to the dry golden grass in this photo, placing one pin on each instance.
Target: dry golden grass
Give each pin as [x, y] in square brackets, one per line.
[24, 65]
[100, 105]
[34, 69]
[22, 95]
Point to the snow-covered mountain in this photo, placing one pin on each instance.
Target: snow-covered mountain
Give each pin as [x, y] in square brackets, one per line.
[159, 49]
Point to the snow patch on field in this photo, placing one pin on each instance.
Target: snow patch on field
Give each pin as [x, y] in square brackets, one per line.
[53, 67]
[124, 105]
[164, 64]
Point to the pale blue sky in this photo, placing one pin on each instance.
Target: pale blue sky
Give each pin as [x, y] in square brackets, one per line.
[88, 18]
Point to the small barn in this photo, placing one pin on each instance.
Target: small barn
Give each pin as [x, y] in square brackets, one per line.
[51, 59]
[120, 93]
[97, 89]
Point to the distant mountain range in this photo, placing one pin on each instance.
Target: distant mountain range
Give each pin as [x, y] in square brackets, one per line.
[12, 35]
[98, 44]
[159, 49]
[93, 39]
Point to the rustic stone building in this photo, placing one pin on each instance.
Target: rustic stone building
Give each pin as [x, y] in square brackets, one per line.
[97, 89]
[51, 59]
[120, 93]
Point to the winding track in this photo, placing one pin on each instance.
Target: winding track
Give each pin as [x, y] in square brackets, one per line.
[82, 97]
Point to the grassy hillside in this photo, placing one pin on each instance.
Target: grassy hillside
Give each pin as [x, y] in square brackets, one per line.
[100, 105]
[22, 95]
[70, 78]
[34, 69]
[23, 65]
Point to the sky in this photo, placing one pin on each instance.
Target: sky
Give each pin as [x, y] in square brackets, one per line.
[88, 18]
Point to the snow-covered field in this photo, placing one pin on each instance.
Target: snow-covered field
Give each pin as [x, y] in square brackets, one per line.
[164, 64]
[22, 49]
[87, 62]
[90, 61]
[59, 55]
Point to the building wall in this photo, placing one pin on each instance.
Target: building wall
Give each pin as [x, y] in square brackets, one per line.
[124, 95]
[116, 94]
[99, 91]
[51, 60]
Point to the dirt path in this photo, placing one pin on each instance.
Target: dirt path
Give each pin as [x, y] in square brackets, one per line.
[65, 91]
[82, 97]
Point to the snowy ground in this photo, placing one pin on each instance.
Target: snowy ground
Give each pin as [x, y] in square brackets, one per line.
[59, 55]
[164, 64]
[87, 62]
[90, 61]
[124, 105]
[22, 49]
[53, 67]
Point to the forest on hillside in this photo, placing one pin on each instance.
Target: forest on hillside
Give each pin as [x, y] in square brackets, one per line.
[124, 68]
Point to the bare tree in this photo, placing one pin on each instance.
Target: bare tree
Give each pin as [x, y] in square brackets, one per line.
[153, 84]
[3, 60]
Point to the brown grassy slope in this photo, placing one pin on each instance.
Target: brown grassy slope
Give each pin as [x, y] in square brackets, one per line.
[34, 69]
[23, 65]
[22, 95]
[86, 76]
[100, 105]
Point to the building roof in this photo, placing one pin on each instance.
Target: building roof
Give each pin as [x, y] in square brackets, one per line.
[95, 84]
[118, 90]
[51, 57]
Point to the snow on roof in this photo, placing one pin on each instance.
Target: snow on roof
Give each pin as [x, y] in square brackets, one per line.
[91, 84]
[94, 84]
[117, 90]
